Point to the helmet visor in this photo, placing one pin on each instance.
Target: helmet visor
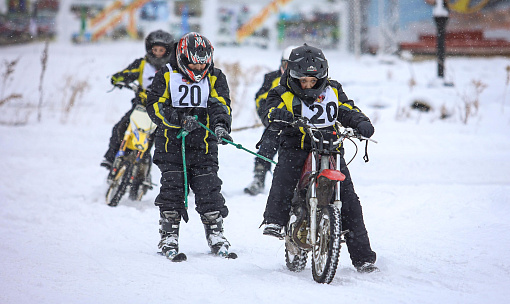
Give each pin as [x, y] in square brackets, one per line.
[311, 73]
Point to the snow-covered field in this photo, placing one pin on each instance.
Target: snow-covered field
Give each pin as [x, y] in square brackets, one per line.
[436, 193]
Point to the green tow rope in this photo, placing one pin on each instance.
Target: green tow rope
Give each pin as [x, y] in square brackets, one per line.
[182, 134]
[238, 146]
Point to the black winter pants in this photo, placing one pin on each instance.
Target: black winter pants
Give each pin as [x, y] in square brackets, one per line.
[285, 178]
[268, 148]
[203, 179]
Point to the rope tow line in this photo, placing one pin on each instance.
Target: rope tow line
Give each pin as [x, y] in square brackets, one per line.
[238, 146]
[183, 133]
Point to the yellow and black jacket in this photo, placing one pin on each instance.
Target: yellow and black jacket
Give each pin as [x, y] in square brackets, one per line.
[271, 80]
[135, 71]
[281, 97]
[169, 118]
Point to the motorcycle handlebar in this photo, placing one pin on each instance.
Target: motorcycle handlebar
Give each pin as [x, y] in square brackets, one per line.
[302, 122]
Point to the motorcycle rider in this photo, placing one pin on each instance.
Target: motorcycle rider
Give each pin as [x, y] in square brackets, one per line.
[306, 91]
[190, 85]
[158, 46]
[270, 141]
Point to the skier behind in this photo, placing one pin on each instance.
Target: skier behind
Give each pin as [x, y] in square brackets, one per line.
[305, 87]
[158, 46]
[190, 86]
[270, 140]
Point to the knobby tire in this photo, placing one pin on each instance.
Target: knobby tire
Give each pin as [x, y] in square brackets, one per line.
[118, 187]
[326, 253]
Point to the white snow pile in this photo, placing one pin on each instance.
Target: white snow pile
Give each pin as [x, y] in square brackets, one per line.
[436, 192]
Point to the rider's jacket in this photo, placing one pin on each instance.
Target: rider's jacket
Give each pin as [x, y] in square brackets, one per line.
[271, 80]
[140, 70]
[172, 96]
[332, 105]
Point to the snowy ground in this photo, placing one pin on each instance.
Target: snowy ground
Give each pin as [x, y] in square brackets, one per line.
[436, 193]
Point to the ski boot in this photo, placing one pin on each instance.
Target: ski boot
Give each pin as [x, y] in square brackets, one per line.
[257, 185]
[169, 231]
[274, 230]
[213, 225]
[367, 267]
[106, 164]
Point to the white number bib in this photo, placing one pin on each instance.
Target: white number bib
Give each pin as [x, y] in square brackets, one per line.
[148, 75]
[324, 113]
[187, 94]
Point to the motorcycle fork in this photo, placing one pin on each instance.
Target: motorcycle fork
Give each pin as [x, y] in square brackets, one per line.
[324, 164]
[136, 166]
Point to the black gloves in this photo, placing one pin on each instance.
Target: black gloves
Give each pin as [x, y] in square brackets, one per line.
[278, 119]
[365, 128]
[189, 123]
[281, 114]
[222, 133]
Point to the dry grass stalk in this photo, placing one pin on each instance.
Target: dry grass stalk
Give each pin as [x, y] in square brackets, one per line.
[10, 97]
[44, 61]
[10, 66]
[471, 103]
[239, 80]
[507, 83]
[77, 89]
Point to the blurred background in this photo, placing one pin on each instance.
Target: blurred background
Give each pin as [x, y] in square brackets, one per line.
[475, 27]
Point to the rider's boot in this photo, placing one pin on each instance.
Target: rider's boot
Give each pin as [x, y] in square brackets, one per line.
[213, 225]
[108, 159]
[273, 230]
[169, 231]
[367, 267]
[257, 185]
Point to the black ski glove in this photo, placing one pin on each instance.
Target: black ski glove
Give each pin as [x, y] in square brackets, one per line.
[222, 133]
[281, 115]
[279, 118]
[189, 123]
[365, 128]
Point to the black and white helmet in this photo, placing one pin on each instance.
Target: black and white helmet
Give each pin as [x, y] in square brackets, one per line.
[307, 61]
[160, 38]
[194, 48]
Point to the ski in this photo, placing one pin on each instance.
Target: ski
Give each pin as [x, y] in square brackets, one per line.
[230, 255]
[180, 257]
[223, 252]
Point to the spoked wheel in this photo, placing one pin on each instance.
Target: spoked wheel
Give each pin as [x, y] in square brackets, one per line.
[326, 252]
[117, 187]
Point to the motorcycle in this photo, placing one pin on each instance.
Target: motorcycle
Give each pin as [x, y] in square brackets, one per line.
[315, 223]
[129, 170]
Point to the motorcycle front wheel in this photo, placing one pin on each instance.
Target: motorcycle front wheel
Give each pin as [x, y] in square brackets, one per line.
[326, 252]
[117, 187]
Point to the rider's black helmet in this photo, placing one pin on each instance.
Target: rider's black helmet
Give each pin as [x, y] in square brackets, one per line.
[307, 61]
[163, 39]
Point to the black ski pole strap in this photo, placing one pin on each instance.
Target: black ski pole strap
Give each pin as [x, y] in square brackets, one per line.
[365, 157]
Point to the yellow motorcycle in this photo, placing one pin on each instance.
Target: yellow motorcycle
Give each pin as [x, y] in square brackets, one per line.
[129, 170]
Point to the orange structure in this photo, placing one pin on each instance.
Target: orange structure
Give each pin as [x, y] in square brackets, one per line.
[115, 13]
[254, 23]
